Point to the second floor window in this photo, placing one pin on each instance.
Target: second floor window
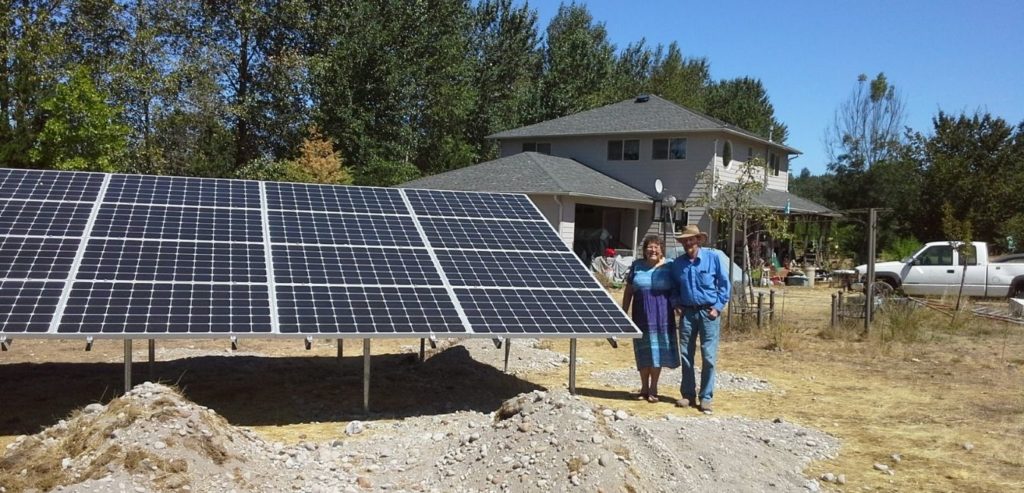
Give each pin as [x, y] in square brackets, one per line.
[773, 163]
[541, 147]
[624, 150]
[668, 149]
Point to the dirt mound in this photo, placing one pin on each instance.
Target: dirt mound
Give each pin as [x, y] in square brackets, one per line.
[554, 441]
[153, 439]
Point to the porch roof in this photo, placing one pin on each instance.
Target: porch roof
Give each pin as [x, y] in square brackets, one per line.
[532, 173]
[778, 199]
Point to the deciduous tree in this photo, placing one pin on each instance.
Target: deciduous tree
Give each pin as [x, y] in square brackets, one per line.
[867, 127]
[578, 63]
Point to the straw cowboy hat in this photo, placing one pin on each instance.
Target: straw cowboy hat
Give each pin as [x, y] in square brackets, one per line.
[690, 231]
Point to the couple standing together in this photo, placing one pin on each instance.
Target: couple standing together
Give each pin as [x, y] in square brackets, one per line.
[694, 286]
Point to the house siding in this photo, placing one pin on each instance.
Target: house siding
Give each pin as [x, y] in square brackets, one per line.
[680, 177]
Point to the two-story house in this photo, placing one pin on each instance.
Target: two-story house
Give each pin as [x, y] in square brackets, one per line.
[593, 174]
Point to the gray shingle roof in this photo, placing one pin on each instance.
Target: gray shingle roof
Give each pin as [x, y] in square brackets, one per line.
[776, 199]
[631, 116]
[530, 172]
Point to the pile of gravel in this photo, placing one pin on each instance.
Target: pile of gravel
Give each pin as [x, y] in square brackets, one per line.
[153, 439]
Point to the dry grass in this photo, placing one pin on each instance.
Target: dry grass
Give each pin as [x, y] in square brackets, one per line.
[915, 385]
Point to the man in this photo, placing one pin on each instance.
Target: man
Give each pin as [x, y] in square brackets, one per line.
[702, 289]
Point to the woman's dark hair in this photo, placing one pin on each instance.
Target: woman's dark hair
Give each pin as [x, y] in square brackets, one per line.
[653, 239]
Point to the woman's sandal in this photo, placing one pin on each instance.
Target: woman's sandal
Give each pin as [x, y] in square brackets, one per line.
[652, 397]
[642, 396]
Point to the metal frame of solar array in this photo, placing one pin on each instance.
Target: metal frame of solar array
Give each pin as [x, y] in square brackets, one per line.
[123, 256]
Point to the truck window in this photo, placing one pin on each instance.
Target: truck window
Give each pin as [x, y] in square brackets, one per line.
[936, 255]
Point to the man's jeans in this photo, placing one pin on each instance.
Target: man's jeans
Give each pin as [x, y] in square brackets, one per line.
[697, 323]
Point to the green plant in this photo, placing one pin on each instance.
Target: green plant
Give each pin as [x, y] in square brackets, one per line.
[901, 248]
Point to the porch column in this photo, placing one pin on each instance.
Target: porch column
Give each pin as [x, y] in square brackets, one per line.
[636, 232]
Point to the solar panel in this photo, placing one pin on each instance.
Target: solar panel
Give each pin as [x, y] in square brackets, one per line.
[326, 198]
[353, 309]
[542, 312]
[177, 223]
[328, 264]
[514, 269]
[36, 258]
[42, 185]
[149, 260]
[342, 229]
[166, 308]
[167, 190]
[27, 306]
[36, 218]
[98, 255]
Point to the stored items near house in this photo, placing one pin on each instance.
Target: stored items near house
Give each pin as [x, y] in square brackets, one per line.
[938, 267]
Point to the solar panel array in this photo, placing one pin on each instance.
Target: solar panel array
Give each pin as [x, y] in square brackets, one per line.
[92, 254]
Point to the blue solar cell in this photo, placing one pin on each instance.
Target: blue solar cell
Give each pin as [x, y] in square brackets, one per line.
[491, 234]
[326, 264]
[49, 185]
[472, 204]
[187, 256]
[36, 258]
[178, 223]
[142, 260]
[28, 306]
[174, 190]
[342, 229]
[160, 308]
[514, 269]
[366, 310]
[537, 312]
[333, 198]
[35, 218]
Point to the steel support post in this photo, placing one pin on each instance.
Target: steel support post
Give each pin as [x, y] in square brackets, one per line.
[572, 366]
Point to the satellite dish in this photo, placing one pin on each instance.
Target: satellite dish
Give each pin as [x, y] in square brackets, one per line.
[658, 186]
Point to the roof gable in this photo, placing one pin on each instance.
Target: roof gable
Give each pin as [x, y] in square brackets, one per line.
[646, 114]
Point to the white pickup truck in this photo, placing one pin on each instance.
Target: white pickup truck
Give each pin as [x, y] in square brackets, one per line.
[936, 269]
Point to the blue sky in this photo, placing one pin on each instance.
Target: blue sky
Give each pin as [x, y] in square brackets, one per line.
[954, 56]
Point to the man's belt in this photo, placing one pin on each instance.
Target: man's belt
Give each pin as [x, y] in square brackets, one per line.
[697, 307]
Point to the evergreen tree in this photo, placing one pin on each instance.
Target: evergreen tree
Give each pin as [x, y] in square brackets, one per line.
[743, 102]
[684, 81]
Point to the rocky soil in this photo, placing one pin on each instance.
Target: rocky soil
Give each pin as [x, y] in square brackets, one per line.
[153, 439]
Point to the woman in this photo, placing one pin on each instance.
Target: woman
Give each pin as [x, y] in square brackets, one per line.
[646, 295]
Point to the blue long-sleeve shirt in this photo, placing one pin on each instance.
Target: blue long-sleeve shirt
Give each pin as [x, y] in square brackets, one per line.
[701, 281]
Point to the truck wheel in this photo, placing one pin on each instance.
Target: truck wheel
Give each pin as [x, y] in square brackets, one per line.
[883, 289]
[1017, 291]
